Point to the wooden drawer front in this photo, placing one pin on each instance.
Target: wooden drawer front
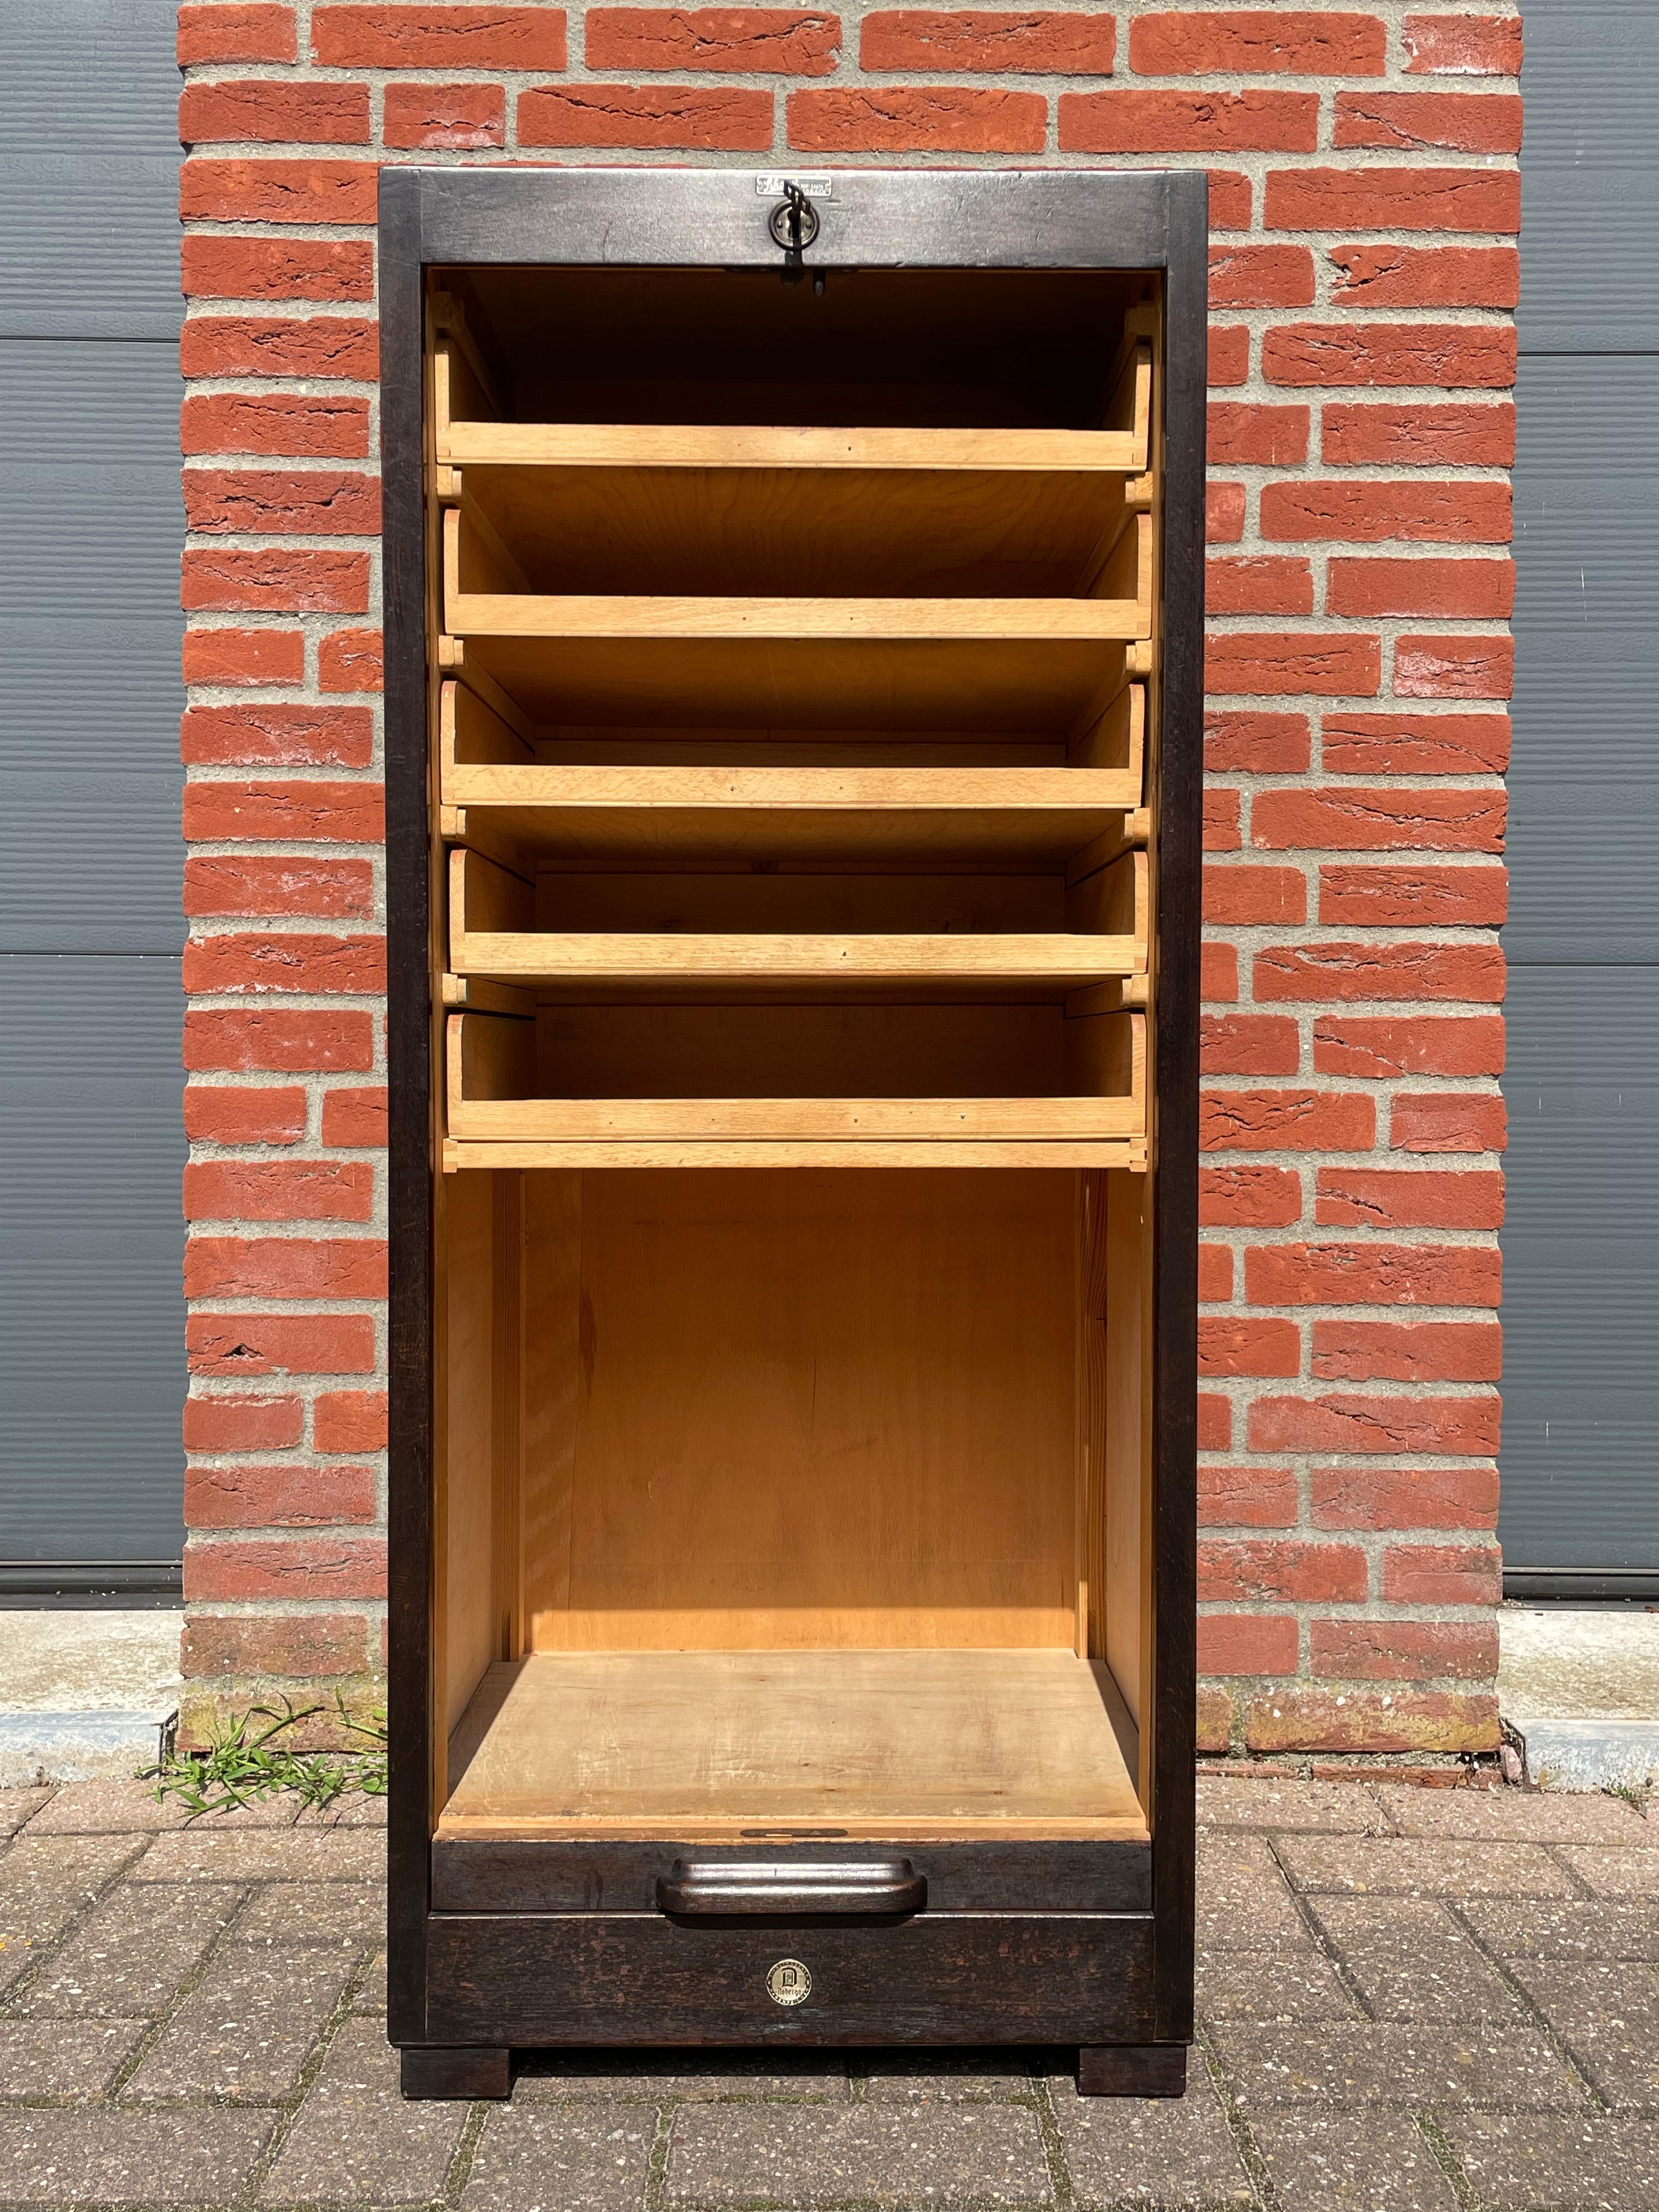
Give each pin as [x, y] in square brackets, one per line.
[547, 1877]
[524, 1979]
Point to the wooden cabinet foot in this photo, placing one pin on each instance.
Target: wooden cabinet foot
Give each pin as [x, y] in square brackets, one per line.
[431, 2071]
[1132, 2069]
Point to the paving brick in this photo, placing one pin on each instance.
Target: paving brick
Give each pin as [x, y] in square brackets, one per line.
[354, 1810]
[311, 1855]
[354, 2138]
[1611, 2162]
[1411, 1960]
[581, 2158]
[1292, 1981]
[1336, 1808]
[17, 1806]
[127, 1961]
[1528, 1928]
[1242, 1902]
[1615, 1874]
[44, 1885]
[544, 2074]
[129, 2158]
[369, 1996]
[1365, 2163]
[247, 2029]
[1387, 2062]
[73, 2059]
[1513, 1815]
[1608, 2015]
[1164, 2150]
[1409, 1866]
[114, 1806]
[349, 1912]
[959, 2074]
[811, 2154]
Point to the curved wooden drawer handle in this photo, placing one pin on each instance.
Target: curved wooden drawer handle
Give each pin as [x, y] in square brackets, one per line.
[794, 1889]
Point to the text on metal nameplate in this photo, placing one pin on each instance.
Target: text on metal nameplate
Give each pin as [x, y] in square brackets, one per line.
[811, 188]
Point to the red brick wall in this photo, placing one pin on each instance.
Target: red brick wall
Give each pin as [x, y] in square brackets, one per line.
[1364, 206]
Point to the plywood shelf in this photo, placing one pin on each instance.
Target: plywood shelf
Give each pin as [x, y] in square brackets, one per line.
[773, 446]
[704, 1746]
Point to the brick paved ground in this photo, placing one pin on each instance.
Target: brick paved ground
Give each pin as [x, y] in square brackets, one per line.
[1409, 1998]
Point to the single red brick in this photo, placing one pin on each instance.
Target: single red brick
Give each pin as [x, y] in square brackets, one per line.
[286, 1040]
[766, 41]
[1392, 199]
[224, 1114]
[1215, 1274]
[273, 191]
[1218, 973]
[1189, 123]
[1405, 1651]
[1215, 1717]
[1432, 434]
[1237, 1570]
[316, 501]
[267, 345]
[1364, 511]
[293, 1646]
[1426, 275]
[1463, 46]
[1298, 1717]
[244, 657]
[1261, 276]
[1326, 970]
[429, 37]
[1279, 41]
[227, 883]
[1221, 829]
[1229, 355]
[1259, 584]
[266, 962]
[232, 33]
[1409, 1198]
[277, 422]
[1454, 667]
[284, 1496]
[915, 119]
[1409, 1351]
[1286, 1121]
[290, 1567]
[1372, 1275]
[227, 268]
[284, 1267]
[260, 111]
[1242, 435]
[1479, 591]
[1240, 742]
[355, 1117]
[1246, 1497]
[1224, 513]
[278, 1190]
[1247, 1644]
[1442, 1574]
[451, 117]
[1272, 663]
[1249, 1044]
[1249, 1196]
[1350, 818]
[1254, 895]
[1387, 898]
[1407, 122]
[1415, 743]
[1215, 1421]
[349, 660]
[274, 578]
[216, 1425]
[349, 1420]
[1230, 200]
[272, 736]
[1464, 1044]
[340, 813]
[1351, 1421]
[1448, 1121]
[678, 116]
[224, 1345]
[1244, 1345]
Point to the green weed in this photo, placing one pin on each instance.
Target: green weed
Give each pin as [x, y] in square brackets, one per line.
[247, 1760]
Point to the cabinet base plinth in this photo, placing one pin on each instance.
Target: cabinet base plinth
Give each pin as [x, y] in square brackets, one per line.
[447, 2071]
[1132, 2069]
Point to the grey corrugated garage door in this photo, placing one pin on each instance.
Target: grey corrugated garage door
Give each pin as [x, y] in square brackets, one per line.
[1581, 1250]
[91, 1310]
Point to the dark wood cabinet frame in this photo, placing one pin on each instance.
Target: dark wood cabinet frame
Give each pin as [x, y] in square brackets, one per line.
[1060, 1942]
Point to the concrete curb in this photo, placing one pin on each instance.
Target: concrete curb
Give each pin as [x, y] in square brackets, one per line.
[1589, 1754]
[38, 1748]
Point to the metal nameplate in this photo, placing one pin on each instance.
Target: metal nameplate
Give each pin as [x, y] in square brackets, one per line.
[788, 1982]
[811, 188]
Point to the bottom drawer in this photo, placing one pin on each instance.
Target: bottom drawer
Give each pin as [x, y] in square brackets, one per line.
[638, 1978]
